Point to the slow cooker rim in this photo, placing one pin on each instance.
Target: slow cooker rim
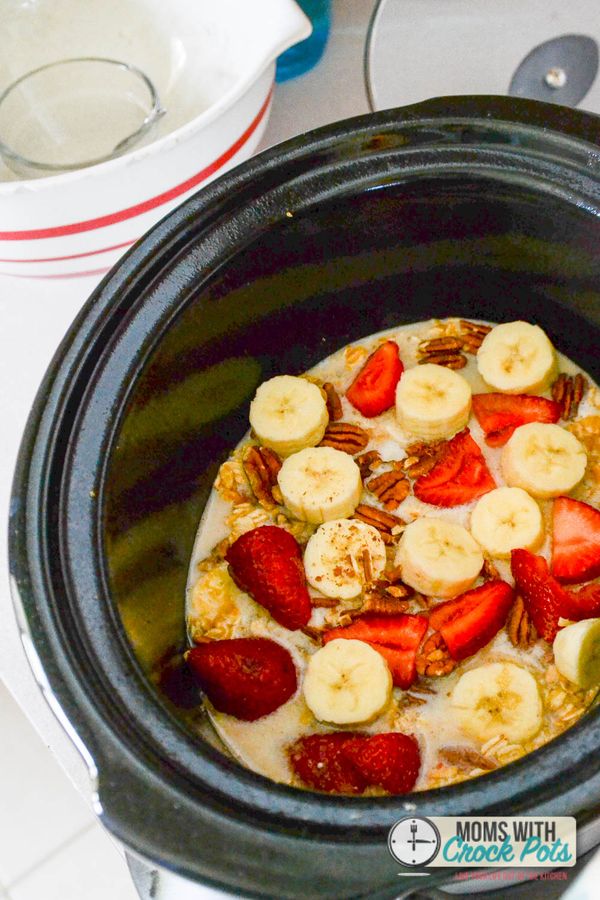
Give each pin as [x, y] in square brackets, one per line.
[135, 270]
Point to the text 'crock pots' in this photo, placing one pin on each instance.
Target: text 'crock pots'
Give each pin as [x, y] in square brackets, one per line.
[474, 207]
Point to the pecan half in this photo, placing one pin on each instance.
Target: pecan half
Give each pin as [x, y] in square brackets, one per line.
[519, 626]
[568, 391]
[384, 522]
[433, 658]
[366, 462]
[472, 334]
[384, 598]
[443, 351]
[465, 758]
[421, 457]
[346, 437]
[391, 488]
[377, 603]
[261, 465]
[334, 404]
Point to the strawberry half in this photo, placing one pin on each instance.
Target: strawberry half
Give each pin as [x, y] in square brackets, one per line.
[267, 563]
[391, 761]
[461, 475]
[347, 762]
[374, 388]
[245, 677]
[545, 599]
[581, 604]
[500, 414]
[318, 759]
[396, 638]
[575, 540]
[470, 621]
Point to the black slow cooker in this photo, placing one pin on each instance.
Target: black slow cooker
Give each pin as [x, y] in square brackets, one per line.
[475, 207]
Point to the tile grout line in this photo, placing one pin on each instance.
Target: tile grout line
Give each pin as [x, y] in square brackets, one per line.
[48, 856]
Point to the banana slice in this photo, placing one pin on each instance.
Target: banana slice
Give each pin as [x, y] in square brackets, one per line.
[432, 402]
[577, 652]
[517, 358]
[288, 413]
[545, 460]
[342, 555]
[498, 699]
[505, 519]
[319, 484]
[438, 558]
[347, 682]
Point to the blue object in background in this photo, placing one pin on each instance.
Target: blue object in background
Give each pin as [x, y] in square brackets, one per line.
[307, 53]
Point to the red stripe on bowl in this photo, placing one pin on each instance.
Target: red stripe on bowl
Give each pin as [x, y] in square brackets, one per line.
[72, 256]
[159, 200]
[59, 274]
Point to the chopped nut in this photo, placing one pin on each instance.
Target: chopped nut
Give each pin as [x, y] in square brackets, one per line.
[394, 575]
[465, 758]
[568, 391]
[384, 522]
[443, 351]
[334, 405]
[472, 334]
[519, 626]
[261, 465]
[325, 602]
[421, 457]
[346, 437]
[410, 699]
[366, 462]
[489, 571]
[391, 488]
[315, 634]
[422, 689]
[433, 658]
[367, 568]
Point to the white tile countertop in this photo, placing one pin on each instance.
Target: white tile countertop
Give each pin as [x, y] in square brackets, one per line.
[34, 316]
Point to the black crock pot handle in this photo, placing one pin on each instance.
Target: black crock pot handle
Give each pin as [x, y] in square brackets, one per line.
[574, 122]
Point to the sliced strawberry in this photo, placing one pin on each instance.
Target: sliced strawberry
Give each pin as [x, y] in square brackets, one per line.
[348, 762]
[244, 677]
[581, 604]
[461, 475]
[575, 540]
[390, 760]
[397, 638]
[500, 414]
[374, 388]
[401, 663]
[403, 631]
[318, 759]
[470, 621]
[266, 562]
[544, 598]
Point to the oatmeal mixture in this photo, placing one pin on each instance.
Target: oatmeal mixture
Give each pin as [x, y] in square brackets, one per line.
[392, 586]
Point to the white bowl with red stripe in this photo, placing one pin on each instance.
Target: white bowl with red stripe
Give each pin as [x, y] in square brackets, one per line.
[81, 222]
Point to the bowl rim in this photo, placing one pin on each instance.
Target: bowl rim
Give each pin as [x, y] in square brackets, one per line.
[142, 267]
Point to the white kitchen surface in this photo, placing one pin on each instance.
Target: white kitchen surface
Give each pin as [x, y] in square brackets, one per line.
[51, 846]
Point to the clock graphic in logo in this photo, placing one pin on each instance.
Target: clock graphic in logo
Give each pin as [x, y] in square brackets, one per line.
[414, 841]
